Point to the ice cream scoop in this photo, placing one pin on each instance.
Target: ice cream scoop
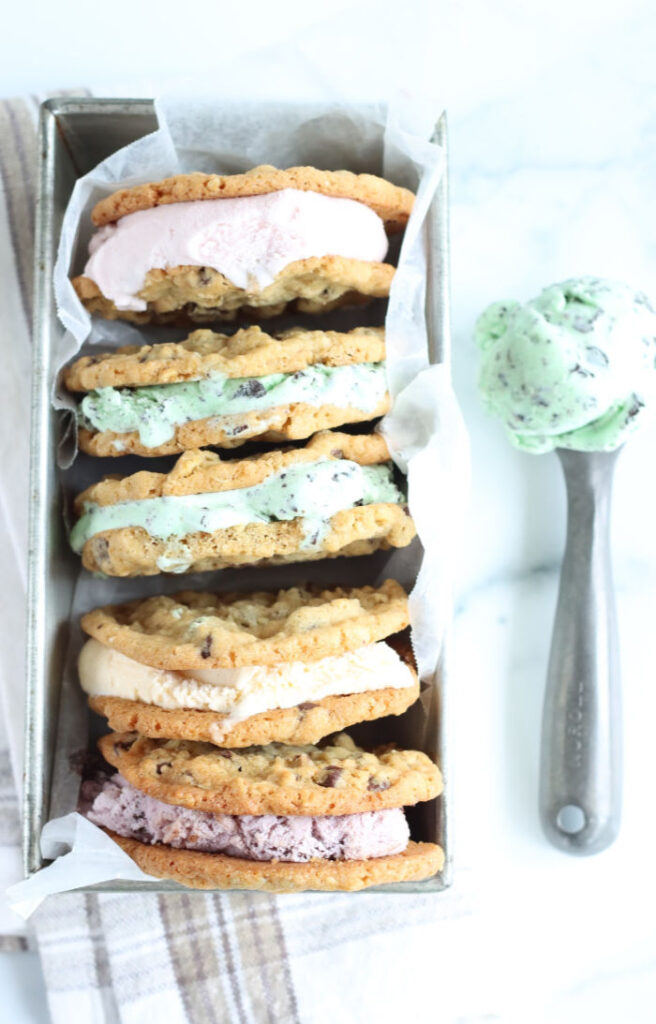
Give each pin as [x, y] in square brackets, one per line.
[572, 368]
[581, 757]
[575, 370]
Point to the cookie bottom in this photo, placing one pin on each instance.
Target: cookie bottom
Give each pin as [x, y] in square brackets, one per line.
[131, 551]
[216, 871]
[282, 423]
[305, 723]
[202, 295]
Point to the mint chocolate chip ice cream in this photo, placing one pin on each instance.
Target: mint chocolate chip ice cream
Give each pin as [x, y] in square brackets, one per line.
[312, 491]
[155, 411]
[573, 368]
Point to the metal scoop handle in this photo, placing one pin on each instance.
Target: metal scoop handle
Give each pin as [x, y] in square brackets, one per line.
[580, 770]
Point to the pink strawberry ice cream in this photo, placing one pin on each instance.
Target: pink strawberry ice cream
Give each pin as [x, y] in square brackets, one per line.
[129, 812]
[249, 239]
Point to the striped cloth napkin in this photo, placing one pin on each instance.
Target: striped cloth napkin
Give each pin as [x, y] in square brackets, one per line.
[111, 959]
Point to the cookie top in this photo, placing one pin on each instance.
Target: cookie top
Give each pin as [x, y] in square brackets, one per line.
[203, 472]
[335, 778]
[199, 630]
[249, 352]
[392, 203]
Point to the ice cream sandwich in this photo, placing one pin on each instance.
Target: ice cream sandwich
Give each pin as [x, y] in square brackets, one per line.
[216, 390]
[205, 246]
[335, 496]
[241, 669]
[275, 817]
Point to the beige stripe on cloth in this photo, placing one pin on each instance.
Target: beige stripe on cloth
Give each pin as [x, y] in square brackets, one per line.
[197, 958]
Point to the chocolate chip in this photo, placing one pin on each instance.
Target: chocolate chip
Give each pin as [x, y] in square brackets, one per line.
[238, 430]
[250, 389]
[206, 649]
[596, 356]
[125, 744]
[337, 453]
[642, 300]
[585, 324]
[142, 835]
[100, 549]
[162, 765]
[225, 753]
[375, 785]
[635, 408]
[331, 777]
[307, 705]
[581, 371]
[205, 275]
[406, 509]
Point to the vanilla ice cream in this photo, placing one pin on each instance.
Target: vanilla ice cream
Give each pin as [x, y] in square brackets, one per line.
[241, 692]
[249, 240]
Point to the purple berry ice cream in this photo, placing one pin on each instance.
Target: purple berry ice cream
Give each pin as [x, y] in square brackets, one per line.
[120, 807]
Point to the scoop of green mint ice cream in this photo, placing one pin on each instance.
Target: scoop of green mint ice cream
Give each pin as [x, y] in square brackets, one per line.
[573, 368]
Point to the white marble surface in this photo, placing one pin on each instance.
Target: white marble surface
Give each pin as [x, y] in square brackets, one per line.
[553, 146]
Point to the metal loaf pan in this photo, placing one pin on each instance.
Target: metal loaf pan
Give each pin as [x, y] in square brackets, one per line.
[75, 134]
